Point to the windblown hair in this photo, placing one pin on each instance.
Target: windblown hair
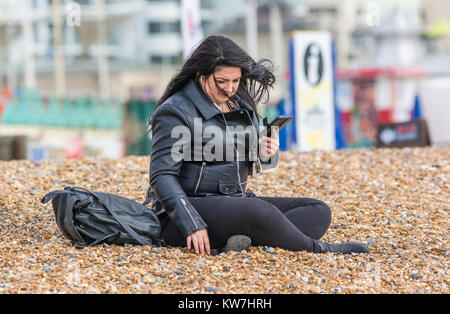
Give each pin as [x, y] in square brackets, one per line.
[214, 51]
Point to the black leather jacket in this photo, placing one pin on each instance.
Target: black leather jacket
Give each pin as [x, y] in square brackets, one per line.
[185, 163]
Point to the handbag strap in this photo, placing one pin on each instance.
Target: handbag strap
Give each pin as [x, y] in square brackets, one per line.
[51, 195]
[102, 239]
[124, 225]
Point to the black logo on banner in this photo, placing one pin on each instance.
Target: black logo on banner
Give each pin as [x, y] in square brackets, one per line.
[313, 64]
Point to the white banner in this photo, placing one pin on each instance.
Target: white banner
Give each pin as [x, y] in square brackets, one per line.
[313, 75]
[191, 25]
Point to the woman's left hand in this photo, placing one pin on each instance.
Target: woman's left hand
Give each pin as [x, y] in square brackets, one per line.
[269, 145]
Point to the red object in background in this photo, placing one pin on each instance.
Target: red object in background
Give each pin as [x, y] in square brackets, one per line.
[371, 73]
[6, 95]
[74, 149]
[385, 116]
[394, 73]
[346, 118]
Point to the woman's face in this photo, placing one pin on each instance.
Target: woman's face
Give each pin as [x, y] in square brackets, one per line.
[227, 78]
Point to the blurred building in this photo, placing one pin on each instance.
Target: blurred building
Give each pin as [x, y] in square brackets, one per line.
[263, 28]
[129, 49]
[379, 33]
[118, 48]
[292, 15]
[113, 48]
[384, 33]
[83, 75]
[436, 18]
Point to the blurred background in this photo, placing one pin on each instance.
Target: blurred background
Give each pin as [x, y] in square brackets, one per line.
[80, 78]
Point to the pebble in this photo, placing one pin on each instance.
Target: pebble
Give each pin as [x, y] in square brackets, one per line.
[394, 200]
[212, 289]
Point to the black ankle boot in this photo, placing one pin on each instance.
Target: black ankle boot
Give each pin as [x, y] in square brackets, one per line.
[345, 248]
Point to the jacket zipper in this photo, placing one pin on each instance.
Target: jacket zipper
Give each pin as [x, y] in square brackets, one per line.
[188, 211]
[199, 177]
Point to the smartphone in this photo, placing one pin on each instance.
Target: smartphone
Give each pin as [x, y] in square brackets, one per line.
[279, 122]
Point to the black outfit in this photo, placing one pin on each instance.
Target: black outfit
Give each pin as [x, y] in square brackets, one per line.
[197, 193]
[289, 223]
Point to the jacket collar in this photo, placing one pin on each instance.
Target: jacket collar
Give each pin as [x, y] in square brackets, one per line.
[204, 104]
[199, 99]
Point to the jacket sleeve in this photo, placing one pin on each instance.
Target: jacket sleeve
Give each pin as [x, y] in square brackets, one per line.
[271, 163]
[165, 164]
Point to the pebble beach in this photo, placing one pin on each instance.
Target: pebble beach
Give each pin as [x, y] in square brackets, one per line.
[394, 200]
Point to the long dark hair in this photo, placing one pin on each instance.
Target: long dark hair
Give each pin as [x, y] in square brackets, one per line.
[215, 51]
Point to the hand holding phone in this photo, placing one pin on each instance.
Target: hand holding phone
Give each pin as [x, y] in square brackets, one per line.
[279, 122]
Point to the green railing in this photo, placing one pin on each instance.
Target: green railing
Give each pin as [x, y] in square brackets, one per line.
[138, 113]
[31, 108]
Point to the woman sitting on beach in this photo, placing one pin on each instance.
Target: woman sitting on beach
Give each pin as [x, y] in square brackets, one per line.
[206, 142]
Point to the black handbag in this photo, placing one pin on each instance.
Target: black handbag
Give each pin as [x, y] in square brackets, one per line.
[88, 218]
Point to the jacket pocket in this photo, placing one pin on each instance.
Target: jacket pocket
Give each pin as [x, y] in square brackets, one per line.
[228, 188]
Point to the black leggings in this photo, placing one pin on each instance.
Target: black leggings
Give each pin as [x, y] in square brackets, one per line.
[284, 222]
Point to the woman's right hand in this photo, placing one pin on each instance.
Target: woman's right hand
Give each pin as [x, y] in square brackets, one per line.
[200, 240]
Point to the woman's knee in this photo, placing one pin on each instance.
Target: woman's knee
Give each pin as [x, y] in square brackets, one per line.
[323, 222]
[260, 212]
[324, 210]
